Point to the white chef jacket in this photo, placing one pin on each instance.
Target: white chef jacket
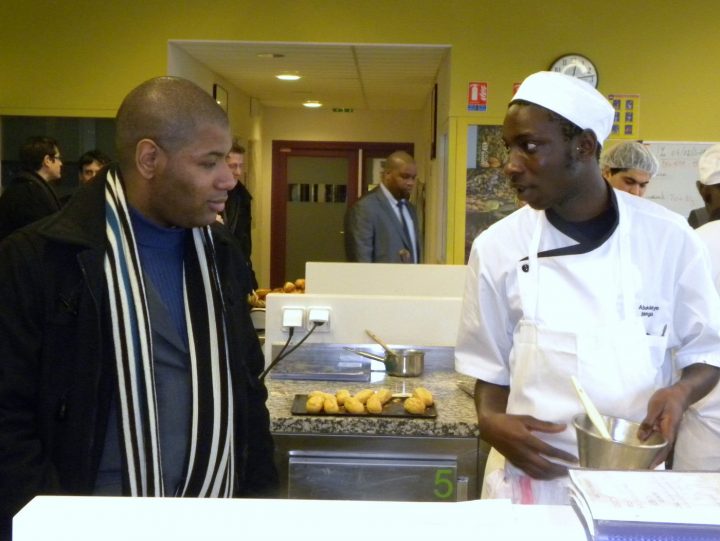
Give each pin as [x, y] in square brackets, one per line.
[698, 441]
[710, 235]
[675, 295]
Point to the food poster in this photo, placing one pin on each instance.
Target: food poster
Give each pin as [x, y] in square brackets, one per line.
[627, 116]
[488, 194]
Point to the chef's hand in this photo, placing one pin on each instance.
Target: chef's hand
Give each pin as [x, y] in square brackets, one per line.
[667, 406]
[664, 413]
[512, 436]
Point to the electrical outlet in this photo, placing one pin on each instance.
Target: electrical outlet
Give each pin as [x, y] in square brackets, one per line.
[292, 318]
[319, 315]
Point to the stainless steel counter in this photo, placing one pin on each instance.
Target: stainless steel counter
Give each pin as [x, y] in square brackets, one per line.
[332, 457]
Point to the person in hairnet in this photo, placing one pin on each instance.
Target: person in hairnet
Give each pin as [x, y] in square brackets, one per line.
[629, 166]
[698, 441]
[568, 285]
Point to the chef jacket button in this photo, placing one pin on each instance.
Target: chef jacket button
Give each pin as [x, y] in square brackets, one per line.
[526, 268]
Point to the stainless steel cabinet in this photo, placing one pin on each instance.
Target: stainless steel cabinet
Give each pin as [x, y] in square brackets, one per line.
[378, 467]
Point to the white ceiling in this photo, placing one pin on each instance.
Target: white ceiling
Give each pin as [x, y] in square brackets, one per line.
[357, 76]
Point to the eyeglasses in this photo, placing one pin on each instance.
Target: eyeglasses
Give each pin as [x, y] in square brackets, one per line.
[58, 158]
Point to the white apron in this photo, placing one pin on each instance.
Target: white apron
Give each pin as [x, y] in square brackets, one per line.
[697, 446]
[579, 318]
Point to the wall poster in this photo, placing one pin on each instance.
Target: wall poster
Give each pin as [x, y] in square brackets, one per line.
[488, 194]
[477, 97]
[627, 116]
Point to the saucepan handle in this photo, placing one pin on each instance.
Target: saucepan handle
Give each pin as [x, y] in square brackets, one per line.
[366, 354]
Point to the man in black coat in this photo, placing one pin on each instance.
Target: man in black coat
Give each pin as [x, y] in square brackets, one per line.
[128, 361]
[29, 196]
[237, 215]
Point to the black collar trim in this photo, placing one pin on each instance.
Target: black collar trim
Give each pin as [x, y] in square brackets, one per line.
[589, 246]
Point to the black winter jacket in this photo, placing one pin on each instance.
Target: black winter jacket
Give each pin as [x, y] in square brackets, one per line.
[56, 368]
[26, 199]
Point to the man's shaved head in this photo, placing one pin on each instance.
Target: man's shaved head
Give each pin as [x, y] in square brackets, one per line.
[398, 159]
[167, 110]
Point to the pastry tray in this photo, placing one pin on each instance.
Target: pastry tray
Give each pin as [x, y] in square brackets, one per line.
[394, 408]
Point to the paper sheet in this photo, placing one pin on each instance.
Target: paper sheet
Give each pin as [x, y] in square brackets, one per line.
[650, 496]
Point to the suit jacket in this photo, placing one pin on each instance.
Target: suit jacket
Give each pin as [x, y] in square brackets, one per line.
[374, 234]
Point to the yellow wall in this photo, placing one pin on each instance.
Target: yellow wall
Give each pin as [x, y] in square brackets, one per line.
[80, 58]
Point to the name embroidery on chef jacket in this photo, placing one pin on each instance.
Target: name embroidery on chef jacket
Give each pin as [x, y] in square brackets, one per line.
[648, 310]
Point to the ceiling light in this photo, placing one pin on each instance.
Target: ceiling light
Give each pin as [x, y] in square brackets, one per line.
[288, 76]
[312, 104]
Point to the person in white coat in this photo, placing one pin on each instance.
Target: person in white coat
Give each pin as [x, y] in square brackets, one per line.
[698, 441]
[570, 285]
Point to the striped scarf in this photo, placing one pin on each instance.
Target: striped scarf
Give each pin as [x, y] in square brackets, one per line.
[210, 468]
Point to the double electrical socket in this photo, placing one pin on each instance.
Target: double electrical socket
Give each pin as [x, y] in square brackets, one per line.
[295, 317]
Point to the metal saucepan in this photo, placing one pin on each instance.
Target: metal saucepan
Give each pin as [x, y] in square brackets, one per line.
[399, 362]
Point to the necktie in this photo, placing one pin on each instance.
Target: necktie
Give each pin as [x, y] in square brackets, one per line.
[400, 206]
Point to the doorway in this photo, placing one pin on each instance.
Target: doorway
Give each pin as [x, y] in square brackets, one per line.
[313, 184]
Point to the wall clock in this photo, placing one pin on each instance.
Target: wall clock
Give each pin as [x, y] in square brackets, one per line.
[578, 66]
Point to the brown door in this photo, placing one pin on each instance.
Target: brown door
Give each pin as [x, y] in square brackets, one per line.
[313, 185]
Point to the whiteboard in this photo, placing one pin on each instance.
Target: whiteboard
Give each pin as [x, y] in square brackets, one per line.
[674, 185]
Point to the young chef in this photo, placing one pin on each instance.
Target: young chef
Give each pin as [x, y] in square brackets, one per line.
[629, 166]
[582, 281]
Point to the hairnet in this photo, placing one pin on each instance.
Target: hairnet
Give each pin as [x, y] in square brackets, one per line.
[630, 155]
[571, 98]
[709, 165]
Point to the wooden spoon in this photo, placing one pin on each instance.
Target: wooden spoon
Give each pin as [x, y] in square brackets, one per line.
[591, 410]
[381, 342]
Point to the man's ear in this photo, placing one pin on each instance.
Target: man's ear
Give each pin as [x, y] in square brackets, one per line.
[47, 160]
[587, 144]
[149, 157]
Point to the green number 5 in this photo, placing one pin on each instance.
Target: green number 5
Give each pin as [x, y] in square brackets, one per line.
[444, 486]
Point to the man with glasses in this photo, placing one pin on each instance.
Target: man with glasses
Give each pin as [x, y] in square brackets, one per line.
[30, 196]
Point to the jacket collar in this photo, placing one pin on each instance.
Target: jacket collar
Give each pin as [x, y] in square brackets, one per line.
[82, 220]
[33, 177]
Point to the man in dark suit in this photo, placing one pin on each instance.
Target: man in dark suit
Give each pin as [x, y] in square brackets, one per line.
[382, 227]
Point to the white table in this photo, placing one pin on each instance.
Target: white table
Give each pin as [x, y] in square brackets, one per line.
[114, 519]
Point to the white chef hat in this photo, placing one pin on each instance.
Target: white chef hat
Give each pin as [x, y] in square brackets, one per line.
[709, 165]
[571, 98]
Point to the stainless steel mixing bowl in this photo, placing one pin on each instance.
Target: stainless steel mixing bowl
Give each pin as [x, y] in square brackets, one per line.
[624, 452]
